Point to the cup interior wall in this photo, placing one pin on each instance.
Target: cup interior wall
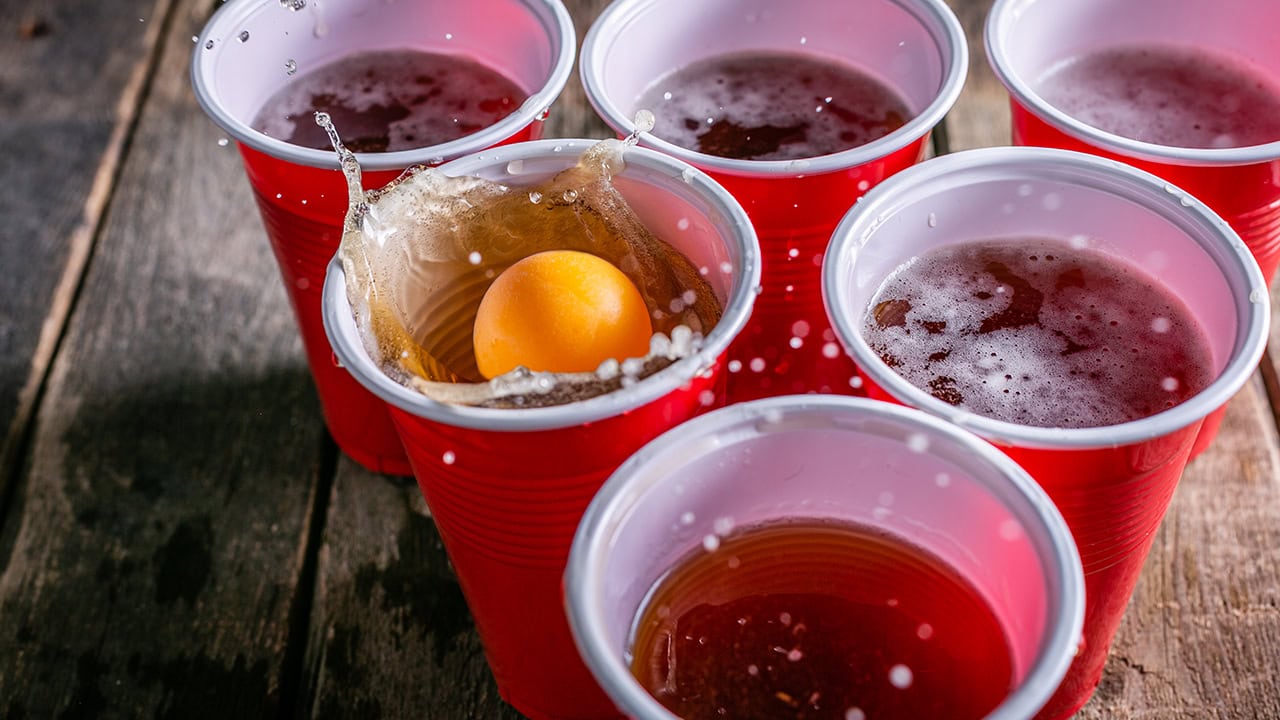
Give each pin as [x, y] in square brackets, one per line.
[883, 38]
[1040, 34]
[672, 209]
[510, 36]
[824, 466]
[1109, 217]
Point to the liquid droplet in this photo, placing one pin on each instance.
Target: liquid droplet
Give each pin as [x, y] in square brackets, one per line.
[223, 142]
[900, 676]
[644, 120]
[290, 67]
[293, 5]
[243, 36]
[208, 45]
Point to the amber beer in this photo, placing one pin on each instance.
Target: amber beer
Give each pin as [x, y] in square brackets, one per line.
[390, 100]
[1037, 332]
[772, 106]
[1168, 95]
[808, 619]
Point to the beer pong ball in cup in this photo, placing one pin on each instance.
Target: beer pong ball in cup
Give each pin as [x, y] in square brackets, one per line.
[846, 461]
[507, 487]
[1112, 483]
[252, 49]
[915, 48]
[1028, 39]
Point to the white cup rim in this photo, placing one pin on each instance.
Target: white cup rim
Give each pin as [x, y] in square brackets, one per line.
[883, 199]
[224, 24]
[955, 55]
[694, 438]
[346, 344]
[999, 26]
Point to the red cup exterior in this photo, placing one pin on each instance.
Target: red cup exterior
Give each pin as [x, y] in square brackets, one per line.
[303, 209]
[794, 217]
[507, 505]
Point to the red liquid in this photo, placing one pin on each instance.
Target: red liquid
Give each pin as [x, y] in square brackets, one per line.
[388, 101]
[1167, 95]
[819, 620]
[772, 106]
[1036, 332]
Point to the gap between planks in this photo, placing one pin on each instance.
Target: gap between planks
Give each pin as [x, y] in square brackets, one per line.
[15, 445]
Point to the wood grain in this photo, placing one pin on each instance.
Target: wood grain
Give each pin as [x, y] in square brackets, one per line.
[150, 561]
[72, 76]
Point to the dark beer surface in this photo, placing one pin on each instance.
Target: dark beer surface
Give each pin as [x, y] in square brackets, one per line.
[810, 619]
[772, 106]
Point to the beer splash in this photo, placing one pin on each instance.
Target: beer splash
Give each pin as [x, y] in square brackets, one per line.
[420, 253]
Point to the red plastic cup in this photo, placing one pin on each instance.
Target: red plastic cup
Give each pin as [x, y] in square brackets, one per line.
[915, 46]
[951, 494]
[301, 193]
[1112, 484]
[507, 487]
[1025, 38]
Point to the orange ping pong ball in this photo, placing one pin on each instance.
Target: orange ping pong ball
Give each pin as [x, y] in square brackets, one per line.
[560, 311]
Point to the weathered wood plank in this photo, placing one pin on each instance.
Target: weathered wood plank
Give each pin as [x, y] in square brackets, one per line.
[1202, 635]
[980, 118]
[150, 561]
[390, 633]
[71, 78]
[1201, 638]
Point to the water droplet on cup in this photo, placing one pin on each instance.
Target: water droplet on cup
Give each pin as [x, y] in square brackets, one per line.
[223, 142]
[208, 45]
[293, 5]
[290, 67]
[644, 120]
[243, 36]
[449, 458]
[900, 676]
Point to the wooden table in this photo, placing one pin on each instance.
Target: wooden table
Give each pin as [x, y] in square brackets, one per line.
[180, 539]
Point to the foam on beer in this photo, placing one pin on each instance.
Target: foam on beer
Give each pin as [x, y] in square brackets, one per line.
[1038, 333]
[772, 106]
[420, 253]
[1167, 95]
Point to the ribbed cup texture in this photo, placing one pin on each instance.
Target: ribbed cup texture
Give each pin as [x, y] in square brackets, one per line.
[302, 210]
[507, 505]
[788, 346]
